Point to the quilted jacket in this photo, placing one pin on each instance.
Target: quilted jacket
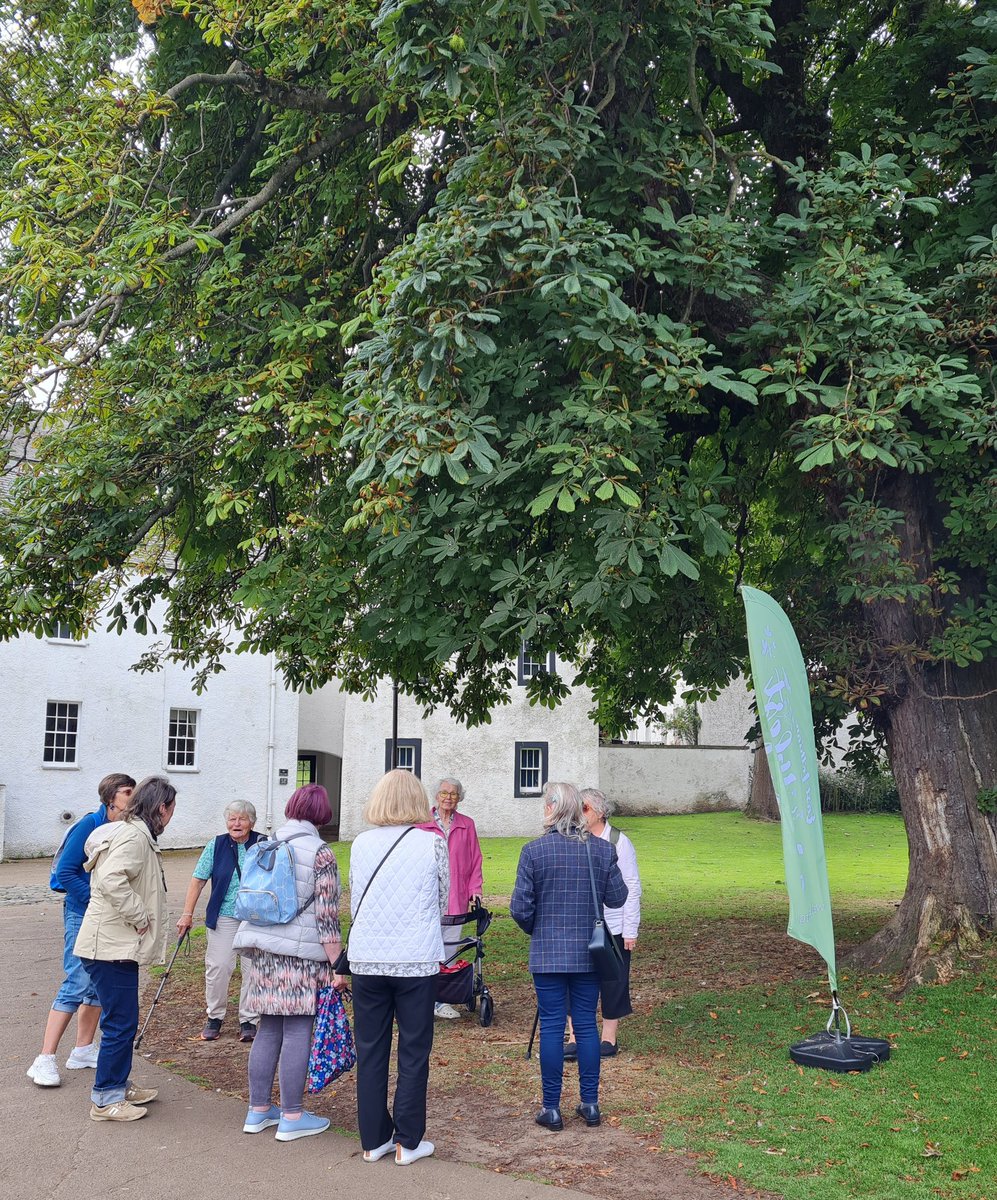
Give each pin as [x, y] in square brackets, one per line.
[297, 938]
[399, 920]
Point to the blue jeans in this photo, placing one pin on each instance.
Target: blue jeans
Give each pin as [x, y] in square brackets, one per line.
[117, 990]
[77, 988]
[558, 994]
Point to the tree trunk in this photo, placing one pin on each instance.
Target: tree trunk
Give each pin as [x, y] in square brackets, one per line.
[943, 751]
[941, 732]
[762, 804]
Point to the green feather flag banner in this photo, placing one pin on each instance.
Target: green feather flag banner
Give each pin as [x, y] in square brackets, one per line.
[783, 697]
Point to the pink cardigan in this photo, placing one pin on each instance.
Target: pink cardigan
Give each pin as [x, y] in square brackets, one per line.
[465, 860]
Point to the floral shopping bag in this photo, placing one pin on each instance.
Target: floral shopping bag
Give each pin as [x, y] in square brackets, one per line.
[333, 1052]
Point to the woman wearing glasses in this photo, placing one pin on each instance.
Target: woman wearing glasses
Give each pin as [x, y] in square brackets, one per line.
[464, 852]
[124, 926]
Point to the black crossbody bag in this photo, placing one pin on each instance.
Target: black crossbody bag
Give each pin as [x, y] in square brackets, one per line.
[605, 952]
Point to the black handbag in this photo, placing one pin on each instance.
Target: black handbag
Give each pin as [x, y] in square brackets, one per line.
[606, 954]
[342, 964]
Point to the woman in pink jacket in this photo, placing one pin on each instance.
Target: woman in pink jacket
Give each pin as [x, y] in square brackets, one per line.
[465, 863]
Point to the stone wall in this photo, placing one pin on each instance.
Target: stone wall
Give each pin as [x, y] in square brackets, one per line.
[644, 780]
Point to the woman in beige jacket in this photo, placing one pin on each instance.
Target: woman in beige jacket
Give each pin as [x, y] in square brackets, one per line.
[124, 926]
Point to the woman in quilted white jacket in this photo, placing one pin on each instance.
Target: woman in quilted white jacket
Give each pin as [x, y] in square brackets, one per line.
[399, 885]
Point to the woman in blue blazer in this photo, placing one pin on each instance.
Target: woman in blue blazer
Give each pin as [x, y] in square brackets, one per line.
[552, 902]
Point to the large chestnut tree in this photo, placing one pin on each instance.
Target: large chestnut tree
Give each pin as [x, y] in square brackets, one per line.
[387, 336]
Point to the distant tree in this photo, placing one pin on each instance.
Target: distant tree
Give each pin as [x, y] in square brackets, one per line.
[685, 722]
[388, 336]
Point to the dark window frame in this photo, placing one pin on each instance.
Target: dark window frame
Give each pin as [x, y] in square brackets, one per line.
[415, 744]
[524, 653]
[519, 790]
[312, 760]
[61, 744]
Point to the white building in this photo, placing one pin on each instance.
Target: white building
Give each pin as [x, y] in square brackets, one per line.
[71, 712]
[503, 765]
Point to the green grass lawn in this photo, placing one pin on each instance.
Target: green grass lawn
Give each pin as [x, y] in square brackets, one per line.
[919, 1126]
[720, 994]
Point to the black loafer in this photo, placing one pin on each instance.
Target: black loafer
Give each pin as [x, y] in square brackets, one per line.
[550, 1118]
[589, 1113]
[570, 1051]
[607, 1049]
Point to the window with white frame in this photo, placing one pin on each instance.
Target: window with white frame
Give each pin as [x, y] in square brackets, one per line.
[531, 768]
[531, 664]
[408, 755]
[181, 744]
[61, 633]
[62, 726]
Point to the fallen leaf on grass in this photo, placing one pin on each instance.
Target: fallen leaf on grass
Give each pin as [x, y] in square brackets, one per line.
[931, 1150]
[962, 1172]
[776, 1150]
[826, 1120]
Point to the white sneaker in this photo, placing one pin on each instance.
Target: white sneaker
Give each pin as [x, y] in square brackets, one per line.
[44, 1071]
[82, 1057]
[446, 1011]
[405, 1158]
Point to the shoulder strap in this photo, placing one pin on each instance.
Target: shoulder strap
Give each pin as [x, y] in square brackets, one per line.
[377, 868]
[614, 835]
[595, 894]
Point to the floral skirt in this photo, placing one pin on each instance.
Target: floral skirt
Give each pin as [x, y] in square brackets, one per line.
[283, 986]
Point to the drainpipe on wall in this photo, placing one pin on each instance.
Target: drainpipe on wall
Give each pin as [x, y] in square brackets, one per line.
[268, 824]
[394, 724]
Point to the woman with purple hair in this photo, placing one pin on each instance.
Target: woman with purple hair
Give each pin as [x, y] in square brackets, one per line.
[287, 966]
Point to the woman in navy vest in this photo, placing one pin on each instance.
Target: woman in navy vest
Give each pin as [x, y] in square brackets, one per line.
[221, 861]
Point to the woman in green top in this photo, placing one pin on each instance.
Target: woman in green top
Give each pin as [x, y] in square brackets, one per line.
[221, 862]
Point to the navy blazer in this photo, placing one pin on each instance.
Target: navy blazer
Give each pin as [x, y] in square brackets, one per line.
[552, 898]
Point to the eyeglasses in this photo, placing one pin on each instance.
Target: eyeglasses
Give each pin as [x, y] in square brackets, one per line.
[449, 795]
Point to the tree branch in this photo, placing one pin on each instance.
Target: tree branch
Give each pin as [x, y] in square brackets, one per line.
[281, 95]
[284, 173]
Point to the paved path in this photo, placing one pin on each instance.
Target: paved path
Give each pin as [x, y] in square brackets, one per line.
[191, 1144]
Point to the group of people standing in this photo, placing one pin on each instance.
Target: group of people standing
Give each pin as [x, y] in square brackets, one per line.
[114, 920]
[416, 864]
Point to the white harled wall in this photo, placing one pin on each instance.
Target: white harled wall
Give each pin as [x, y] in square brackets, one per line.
[482, 758]
[123, 727]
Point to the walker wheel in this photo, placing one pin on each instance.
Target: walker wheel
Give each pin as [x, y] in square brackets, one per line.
[487, 1009]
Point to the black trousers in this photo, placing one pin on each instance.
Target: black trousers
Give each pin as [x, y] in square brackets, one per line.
[379, 1000]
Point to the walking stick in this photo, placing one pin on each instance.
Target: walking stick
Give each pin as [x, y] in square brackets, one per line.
[533, 1034]
[184, 937]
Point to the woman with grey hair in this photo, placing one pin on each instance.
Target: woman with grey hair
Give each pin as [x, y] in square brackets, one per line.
[464, 850]
[552, 902]
[221, 861]
[623, 923]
